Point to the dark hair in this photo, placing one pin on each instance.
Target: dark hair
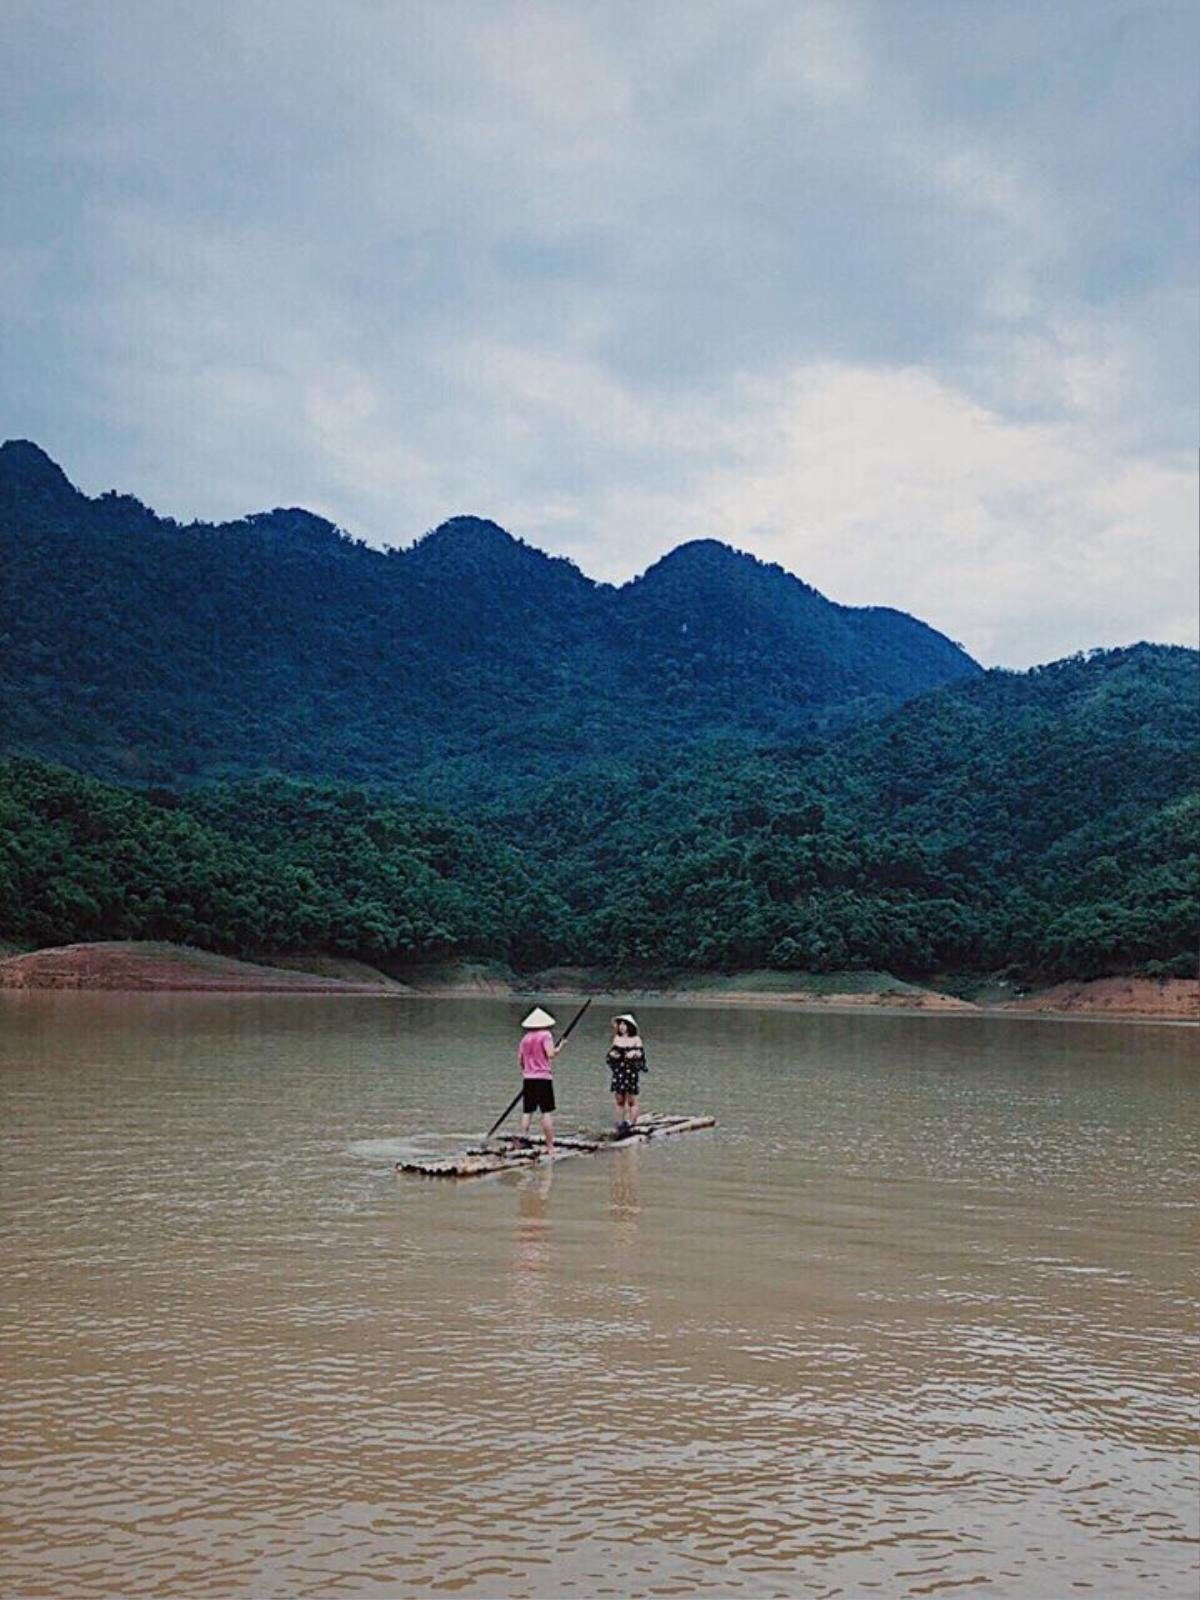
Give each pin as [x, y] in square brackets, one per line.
[625, 1026]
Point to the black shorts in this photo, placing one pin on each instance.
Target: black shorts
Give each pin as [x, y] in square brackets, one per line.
[538, 1094]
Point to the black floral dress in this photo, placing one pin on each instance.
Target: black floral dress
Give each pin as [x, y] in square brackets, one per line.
[626, 1062]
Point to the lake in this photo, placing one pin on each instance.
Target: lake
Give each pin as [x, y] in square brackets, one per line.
[918, 1317]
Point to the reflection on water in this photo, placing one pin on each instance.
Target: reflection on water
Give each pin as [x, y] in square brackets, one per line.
[533, 1226]
[625, 1195]
[918, 1317]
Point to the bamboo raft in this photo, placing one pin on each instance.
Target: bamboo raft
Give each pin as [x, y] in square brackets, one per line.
[485, 1161]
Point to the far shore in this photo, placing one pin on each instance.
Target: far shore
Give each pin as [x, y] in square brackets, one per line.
[142, 967]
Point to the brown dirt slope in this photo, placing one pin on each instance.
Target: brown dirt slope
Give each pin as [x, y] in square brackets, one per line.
[148, 966]
[482, 979]
[1165, 999]
[912, 999]
[344, 967]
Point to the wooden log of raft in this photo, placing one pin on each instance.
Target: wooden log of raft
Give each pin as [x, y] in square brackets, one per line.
[482, 1161]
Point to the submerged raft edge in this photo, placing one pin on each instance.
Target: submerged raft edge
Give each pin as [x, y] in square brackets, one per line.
[481, 1162]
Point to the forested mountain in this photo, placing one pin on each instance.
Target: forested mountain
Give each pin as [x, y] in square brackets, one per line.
[136, 648]
[469, 749]
[1044, 824]
[1046, 821]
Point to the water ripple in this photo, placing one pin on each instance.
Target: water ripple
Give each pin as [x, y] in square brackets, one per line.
[926, 1333]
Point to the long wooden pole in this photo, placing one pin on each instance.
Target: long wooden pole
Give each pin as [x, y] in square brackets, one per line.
[566, 1034]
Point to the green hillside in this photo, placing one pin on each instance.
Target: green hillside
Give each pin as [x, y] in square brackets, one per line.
[1044, 824]
[137, 649]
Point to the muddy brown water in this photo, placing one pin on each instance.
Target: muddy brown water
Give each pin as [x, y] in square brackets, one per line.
[918, 1318]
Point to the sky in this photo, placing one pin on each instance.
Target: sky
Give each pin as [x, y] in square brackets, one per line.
[900, 294]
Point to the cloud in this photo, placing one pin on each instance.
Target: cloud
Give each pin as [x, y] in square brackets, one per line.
[880, 486]
[889, 487]
[903, 297]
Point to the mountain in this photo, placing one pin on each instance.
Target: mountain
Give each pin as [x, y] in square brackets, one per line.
[712, 767]
[1046, 820]
[710, 621]
[137, 648]
[1042, 825]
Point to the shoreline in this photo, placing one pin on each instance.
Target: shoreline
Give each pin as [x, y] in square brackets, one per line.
[131, 967]
[814, 1005]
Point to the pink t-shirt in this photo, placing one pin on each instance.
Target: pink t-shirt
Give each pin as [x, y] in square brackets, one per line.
[534, 1054]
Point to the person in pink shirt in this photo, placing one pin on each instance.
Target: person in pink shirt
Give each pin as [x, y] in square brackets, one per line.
[536, 1055]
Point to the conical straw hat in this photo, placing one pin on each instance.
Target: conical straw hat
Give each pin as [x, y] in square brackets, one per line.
[538, 1018]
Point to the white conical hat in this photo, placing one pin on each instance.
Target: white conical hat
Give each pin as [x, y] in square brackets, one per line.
[625, 1017]
[538, 1018]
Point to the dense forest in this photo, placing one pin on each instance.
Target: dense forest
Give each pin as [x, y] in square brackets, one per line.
[141, 650]
[1042, 824]
[264, 737]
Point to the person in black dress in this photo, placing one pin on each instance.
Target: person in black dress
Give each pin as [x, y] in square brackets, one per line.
[626, 1062]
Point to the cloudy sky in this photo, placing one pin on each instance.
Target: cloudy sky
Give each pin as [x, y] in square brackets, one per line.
[901, 295]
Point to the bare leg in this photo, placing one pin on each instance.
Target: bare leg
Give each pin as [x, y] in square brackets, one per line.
[620, 1103]
[525, 1116]
[631, 1113]
[548, 1131]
